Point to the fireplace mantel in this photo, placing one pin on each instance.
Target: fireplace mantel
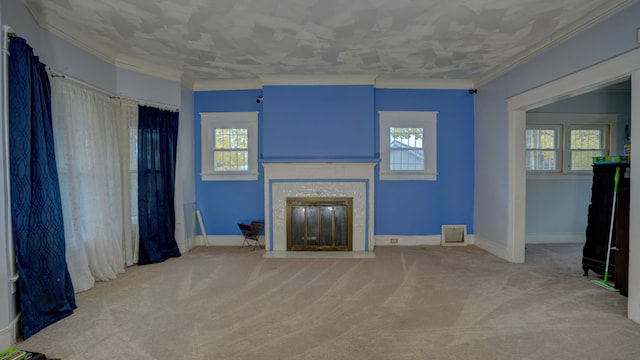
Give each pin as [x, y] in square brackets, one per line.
[319, 179]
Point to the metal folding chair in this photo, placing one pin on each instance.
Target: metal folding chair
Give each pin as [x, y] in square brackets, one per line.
[251, 234]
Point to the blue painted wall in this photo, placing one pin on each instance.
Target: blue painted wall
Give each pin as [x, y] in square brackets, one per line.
[421, 207]
[311, 122]
[307, 123]
[223, 204]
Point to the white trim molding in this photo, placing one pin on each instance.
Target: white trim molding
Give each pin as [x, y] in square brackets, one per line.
[148, 68]
[241, 84]
[428, 121]
[318, 79]
[210, 121]
[435, 84]
[555, 238]
[10, 334]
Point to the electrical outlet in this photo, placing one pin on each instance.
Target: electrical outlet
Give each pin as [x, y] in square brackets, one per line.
[393, 240]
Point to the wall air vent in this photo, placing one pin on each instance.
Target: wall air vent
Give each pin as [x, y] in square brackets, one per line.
[453, 235]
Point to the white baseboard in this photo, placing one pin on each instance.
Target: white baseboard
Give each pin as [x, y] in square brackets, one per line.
[492, 248]
[9, 335]
[387, 240]
[222, 240]
[189, 244]
[379, 240]
[411, 240]
[555, 238]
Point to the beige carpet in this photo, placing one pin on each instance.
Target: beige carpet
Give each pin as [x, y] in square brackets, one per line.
[408, 303]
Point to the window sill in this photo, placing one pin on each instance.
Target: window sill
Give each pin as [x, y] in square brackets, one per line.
[230, 177]
[406, 176]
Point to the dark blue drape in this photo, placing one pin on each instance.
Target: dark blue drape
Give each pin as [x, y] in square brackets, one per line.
[46, 291]
[157, 142]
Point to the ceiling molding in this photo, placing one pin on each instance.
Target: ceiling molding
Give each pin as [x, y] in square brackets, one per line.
[388, 83]
[121, 61]
[70, 39]
[318, 79]
[148, 68]
[243, 84]
[589, 20]
[441, 84]
[175, 73]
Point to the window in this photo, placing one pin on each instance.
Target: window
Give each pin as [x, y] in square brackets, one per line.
[229, 146]
[543, 148]
[567, 143]
[585, 142]
[408, 148]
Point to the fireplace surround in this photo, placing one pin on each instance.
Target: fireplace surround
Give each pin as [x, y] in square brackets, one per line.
[315, 224]
[283, 180]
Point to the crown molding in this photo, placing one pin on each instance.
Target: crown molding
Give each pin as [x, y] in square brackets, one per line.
[148, 68]
[239, 84]
[329, 79]
[595, 16]
[389, 83]
[121, 60]
[440, 84]
[73, 40]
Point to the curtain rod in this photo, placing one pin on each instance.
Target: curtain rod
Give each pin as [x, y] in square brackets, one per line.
[55, 74]
[147, 103]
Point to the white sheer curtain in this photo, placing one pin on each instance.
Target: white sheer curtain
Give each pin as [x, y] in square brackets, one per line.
[127, 135]
[91, 133]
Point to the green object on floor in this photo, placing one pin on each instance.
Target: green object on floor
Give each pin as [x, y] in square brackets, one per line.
[604, 282]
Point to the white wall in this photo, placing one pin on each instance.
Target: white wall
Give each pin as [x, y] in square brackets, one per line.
[65, 58]
[185, 195]
[633, 306]
[7, 299]
[556, 209]
[499, 195]
[143, 87]
[493, 210]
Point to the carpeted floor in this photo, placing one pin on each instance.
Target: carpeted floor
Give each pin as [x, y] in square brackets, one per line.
[418, 302]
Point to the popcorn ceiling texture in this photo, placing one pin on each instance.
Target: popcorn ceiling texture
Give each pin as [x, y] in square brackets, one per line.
[242, 39]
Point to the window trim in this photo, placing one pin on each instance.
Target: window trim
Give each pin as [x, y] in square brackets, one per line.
[217, 120]
[411, 119]
[569, 151]
[559, 147]
[568, 121]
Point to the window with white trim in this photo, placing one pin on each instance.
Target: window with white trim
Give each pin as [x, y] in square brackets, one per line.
[408, 148]
[567, 143]
[229, 146]
[543, 148]
[584, 143]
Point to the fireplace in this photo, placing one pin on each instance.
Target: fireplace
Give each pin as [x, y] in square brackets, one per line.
[319, 224]
[313, 182]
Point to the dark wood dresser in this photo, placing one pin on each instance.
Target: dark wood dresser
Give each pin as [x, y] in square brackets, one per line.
[594, 252]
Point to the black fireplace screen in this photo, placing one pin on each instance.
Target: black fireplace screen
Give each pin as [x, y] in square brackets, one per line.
[319, 223]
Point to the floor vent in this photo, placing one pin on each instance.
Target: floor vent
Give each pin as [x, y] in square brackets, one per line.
[453, 235]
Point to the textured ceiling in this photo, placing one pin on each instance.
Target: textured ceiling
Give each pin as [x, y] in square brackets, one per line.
[243, 39]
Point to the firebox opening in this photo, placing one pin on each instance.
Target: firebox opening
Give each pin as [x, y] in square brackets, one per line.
[316, 224]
